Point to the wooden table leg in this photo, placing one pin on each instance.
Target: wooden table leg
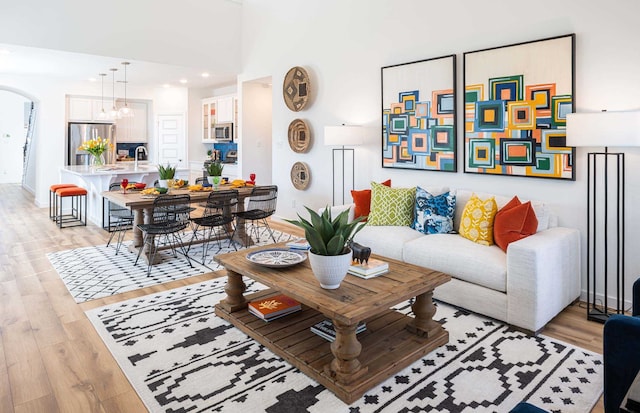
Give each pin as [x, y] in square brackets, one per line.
[138, 218]
[345, 367]
[423, 324]
[235, 289]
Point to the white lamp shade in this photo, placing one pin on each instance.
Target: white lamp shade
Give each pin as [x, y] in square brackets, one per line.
[343, 135]
[610, 129]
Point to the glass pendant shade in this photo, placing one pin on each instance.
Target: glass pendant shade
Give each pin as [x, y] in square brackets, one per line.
[113, 113]
[102, 115]
[125, 111]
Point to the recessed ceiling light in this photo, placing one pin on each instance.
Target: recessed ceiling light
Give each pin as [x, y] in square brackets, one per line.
[166, 85]
[92, 79]
[4, 51]
[205, 74]
[183, 81]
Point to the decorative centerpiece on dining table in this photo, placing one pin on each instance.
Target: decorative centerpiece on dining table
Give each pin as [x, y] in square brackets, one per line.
[96, 148]
[164, 174]
[214, 170]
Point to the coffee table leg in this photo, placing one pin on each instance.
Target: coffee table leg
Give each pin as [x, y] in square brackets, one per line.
[235, 289]
[424, 310]
[345, 367]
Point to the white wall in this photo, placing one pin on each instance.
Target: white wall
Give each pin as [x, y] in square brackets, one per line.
[256, 143]
[343, 45]
[12, 136]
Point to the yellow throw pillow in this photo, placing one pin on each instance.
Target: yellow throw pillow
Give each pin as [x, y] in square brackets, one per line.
[477, 220]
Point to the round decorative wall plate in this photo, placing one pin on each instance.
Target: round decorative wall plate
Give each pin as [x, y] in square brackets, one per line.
[299, 136]
[296, 88]
[300, 176]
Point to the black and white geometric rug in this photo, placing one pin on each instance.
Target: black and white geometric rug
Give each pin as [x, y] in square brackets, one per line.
[95, 272]
[180, 357]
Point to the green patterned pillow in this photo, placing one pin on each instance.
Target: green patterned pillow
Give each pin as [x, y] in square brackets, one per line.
[391, 206]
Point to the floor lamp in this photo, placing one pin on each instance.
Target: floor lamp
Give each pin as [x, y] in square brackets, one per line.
[605, 202]
[343, 136]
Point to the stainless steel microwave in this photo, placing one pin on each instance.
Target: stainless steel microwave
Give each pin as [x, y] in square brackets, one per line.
[224, 132]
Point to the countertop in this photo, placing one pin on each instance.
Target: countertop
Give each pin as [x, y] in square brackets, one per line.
[113, 169]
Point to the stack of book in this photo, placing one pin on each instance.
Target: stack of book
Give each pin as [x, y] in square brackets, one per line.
[370, 269]
[325, 329]
[274, 307]
[298, 244]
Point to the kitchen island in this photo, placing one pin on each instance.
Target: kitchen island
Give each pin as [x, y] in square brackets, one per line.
[97, 179]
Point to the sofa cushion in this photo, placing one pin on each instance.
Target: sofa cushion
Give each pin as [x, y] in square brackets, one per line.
[477, 220]
[513, 222]
[434, 214]
[362, 200]
[387, 241]
[459, 257]
[391, 206]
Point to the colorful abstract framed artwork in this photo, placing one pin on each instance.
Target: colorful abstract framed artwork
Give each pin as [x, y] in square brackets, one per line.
[419, 115]
[516, 99]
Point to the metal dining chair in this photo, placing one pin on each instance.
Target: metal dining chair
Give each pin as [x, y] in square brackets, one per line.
[120, 219]
[171, 215]
[261, 205]
[218, 215]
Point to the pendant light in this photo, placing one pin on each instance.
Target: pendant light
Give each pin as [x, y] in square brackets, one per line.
[102, 115]
[114, 114]
[125, 111]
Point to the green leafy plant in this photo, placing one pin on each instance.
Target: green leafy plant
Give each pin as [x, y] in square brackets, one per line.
[166, 172]
[327, 235]
[215, 168]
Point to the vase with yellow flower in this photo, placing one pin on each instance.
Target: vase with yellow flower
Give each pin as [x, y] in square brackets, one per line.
[96, 148]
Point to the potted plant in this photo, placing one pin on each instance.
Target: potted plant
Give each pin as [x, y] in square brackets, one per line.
[329, 255]
[214, 170]
[165, 173]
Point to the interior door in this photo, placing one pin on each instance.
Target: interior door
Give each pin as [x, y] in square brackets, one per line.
[172, 143]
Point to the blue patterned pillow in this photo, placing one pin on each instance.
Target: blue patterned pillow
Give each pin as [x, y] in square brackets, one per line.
[434, 214]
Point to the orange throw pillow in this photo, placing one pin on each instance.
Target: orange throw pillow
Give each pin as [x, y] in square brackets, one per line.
[513, 222]
[362, 199]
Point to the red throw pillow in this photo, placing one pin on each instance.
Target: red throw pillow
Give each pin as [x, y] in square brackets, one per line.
[513, 222]
[362, 199]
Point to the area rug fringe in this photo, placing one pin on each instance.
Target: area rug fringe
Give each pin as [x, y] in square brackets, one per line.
[179, 356]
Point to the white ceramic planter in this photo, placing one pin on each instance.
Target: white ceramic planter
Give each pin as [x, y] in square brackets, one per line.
[330, 270]
[162, 183]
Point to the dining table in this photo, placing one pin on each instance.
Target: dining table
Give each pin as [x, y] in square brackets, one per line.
[141, 205]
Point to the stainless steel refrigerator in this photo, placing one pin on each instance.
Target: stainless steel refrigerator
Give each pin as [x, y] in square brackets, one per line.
[81, 132]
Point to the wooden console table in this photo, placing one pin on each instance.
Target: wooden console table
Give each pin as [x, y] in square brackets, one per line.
[352, 364]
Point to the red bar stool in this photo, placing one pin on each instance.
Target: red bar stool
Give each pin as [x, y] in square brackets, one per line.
[78, 215]
[53, 198]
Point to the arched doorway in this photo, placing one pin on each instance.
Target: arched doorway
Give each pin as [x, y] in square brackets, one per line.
[17, 121]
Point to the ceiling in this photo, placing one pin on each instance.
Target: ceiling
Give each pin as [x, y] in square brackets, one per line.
[78, 67]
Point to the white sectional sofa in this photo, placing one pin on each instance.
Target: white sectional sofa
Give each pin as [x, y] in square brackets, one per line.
[525, 287]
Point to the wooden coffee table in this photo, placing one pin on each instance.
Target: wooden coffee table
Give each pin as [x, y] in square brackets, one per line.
[352, 364]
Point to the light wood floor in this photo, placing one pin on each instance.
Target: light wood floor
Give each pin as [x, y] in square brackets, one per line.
[51, 358]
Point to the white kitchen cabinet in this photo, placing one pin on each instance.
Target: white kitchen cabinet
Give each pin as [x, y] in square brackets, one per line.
[208, 119]
[218, 109]
[87, 109]
[225, 109]
[135, 128]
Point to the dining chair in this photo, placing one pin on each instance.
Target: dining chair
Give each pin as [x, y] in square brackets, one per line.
[119, 218]
[170, 216]
[261, 205]
[218, 215]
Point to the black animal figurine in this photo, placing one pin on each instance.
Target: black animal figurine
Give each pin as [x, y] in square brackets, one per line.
[360, 253]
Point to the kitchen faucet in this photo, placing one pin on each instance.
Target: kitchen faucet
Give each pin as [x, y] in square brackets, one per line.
[135, 155]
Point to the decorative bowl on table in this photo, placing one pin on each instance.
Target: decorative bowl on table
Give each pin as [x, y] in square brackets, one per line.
[140, 185]
[161, 190]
